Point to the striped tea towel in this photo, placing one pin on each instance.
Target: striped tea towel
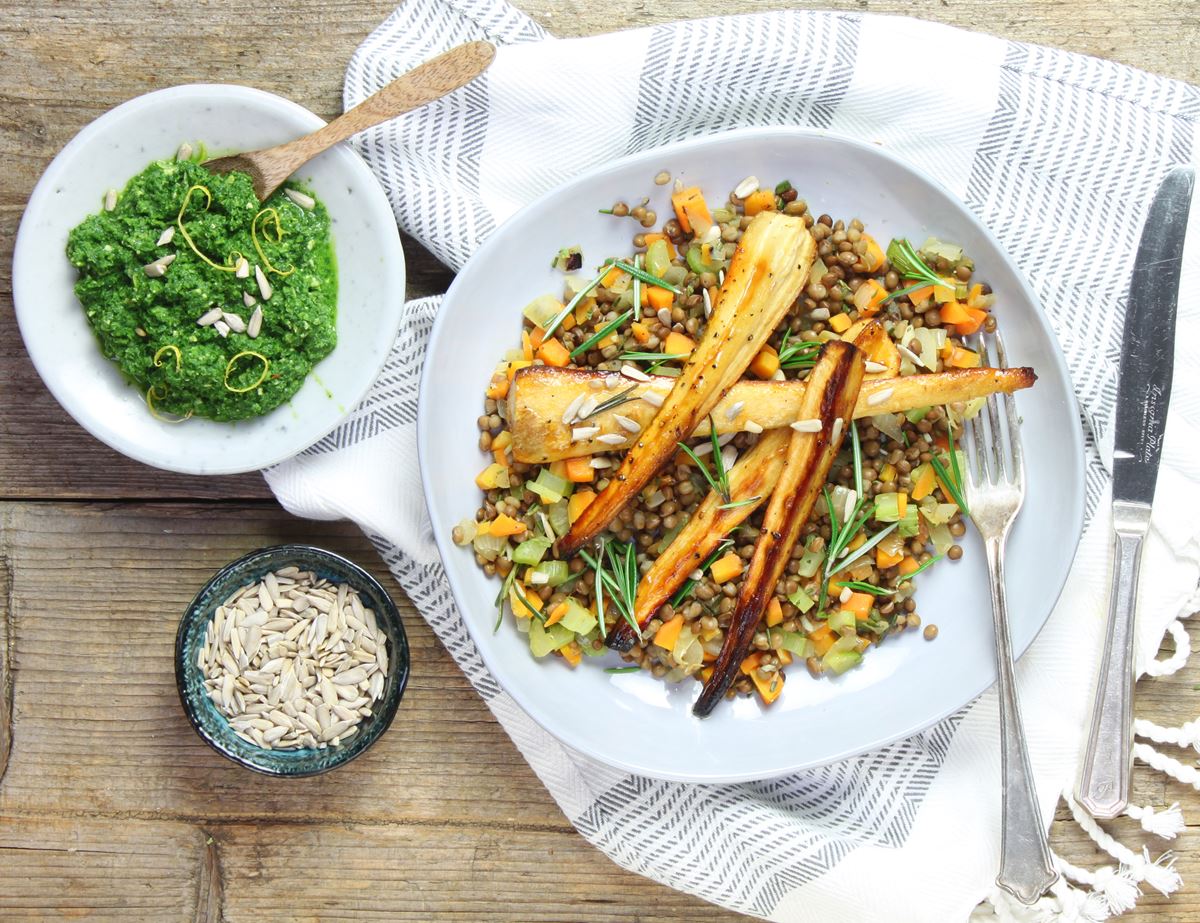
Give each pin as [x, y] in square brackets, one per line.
[1059, 155]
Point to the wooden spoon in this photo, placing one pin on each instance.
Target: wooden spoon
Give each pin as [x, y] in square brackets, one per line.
[423, 84]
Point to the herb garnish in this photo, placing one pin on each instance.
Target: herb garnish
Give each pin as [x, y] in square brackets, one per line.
[655, 359]
[618, 670]
[685, 591]
[906, 261]
[737, 503]
[600, 334]
[951, 478]
[616, 572]
[928, 564]
[861, 586]
[800, 355]
[615, 401]
[717, 477]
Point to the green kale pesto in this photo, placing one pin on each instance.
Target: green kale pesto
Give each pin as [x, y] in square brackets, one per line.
[140, 315]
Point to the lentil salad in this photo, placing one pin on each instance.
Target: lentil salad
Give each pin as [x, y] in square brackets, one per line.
[892, 505]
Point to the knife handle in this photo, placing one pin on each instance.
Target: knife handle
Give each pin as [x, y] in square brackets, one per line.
[1104, 778]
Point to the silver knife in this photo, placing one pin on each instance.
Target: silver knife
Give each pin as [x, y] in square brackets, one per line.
[1144, 390]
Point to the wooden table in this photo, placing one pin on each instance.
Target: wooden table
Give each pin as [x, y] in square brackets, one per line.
[110, 806]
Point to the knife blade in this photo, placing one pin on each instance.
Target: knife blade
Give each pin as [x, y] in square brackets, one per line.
[1149, 341]
[1143, 393]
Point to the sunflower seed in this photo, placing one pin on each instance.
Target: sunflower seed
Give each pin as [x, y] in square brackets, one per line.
[158, 268]
[752, 427]
[110, 200]
[627, 424]
[264, 287]
[636, 374]
[612, 439]
[255, 324]
[746, 187]
[235, 322]
[184, 152]
[241, 269]
[208, 318]
[572, 409]
[221, 327]
[306, 202]
[166, 237]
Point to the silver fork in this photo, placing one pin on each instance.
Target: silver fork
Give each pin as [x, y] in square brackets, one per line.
[995, 491]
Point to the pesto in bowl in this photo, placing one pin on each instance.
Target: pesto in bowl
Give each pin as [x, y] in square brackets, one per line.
[172, 272]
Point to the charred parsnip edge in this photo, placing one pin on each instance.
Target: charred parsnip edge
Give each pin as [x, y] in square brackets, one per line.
[541, 395]
[769, 269]
[833, 390]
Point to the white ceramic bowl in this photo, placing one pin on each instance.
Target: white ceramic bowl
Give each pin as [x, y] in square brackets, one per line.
[636, 722]
[116, 147]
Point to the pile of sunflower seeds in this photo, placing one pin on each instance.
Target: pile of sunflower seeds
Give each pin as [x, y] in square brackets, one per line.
[294, 661]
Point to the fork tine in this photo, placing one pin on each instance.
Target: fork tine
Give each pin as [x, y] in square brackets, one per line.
[995, 434]
[1014, 429]
[979, 472]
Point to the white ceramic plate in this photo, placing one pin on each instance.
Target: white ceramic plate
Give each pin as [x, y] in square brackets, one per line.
[632, 720]
[106, 154]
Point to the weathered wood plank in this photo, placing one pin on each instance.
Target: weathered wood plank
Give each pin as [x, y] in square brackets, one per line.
[96, 599]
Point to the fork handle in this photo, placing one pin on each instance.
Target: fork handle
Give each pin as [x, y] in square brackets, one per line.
[1026, 869]
[1104, 779]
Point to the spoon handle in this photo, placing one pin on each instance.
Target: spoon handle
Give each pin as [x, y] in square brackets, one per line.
[423, 84]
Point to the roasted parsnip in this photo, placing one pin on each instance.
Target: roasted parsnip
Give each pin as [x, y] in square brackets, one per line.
[833, 387]
[541, 395]
[769, 268]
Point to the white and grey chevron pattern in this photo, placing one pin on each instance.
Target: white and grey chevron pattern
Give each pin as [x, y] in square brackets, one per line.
[1070, 152]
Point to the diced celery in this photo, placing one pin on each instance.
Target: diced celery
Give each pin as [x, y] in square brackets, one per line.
[841, 619]
[972, 408]
[838, 662]
[560, 522]
[951, 253]
[791, 641]
[809, 562]
[531, 551]
[887, 507]
[909, 526]
[556, 573]
[542, 310]
[577, 619]
[941, 538]
[549, 486]
[658, 258]
[935, 513]
[696, 261]
[917, 414]
[674, 275]
[543, 640]
[800, 599]
[889, 425]
[543, 491]
[489, 547]
[587, 645]
[930, 345]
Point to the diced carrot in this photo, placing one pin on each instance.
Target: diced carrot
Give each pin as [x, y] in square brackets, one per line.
[822, 639]
[925, 483]
[960, 358]
[902, 503]
[506, 525]
[613, 339]
[556, 616]
[857, 541]
[651, 238]
[526, 345]
[668, 634]
[868, 297]
[785, 657]
[954, 312]
[514, 367]
[497, 389]
[886, 558]
[578, 503]
[571, 653]
[774, 612]
[519, 609]
[874, 256]
[658, 298]
[726, 568]
[580, 470]
[860, 604]
[568, 322]
[537, 336]
[552, 352]
[487, 478]
[691, 210]
[584, 310]
[769, 688]
[977, 317]
[974, 295]
[501, 456]
[917, 295]
[678, 343]
[887, 473]
[751, 662]
[761, 200]
[641, 332]
[611, 277]
[502, 440]
[766, 363]
[943, 293]
[839, 323]
[908, 565]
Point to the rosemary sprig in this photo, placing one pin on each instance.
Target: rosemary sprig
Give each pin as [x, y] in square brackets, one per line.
[868, 545]
[908, 263]
[600, 334]
[521, 598]
[618, 670]
[840, 535]
[656, 360]
[952, 477]
[737, 503]
[505, 586]
[717, 477]
[861, 586]
[615, 401]
[928, 564]
[638, 273]
[686, 590]
[617, 573]
[570, 305]
[800, 355]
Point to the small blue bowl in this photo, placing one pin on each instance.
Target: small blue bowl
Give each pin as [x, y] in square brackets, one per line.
[212, 726]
